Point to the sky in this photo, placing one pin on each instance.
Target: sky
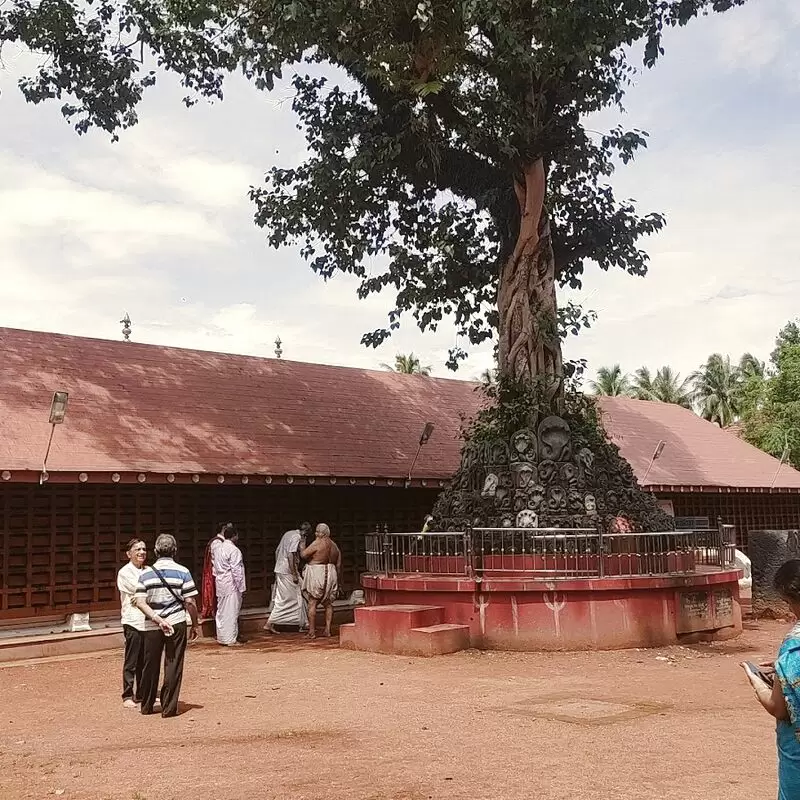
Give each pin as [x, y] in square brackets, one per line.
[159, 224]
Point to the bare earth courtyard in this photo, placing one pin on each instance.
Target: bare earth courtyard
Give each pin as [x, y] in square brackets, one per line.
[284, 718]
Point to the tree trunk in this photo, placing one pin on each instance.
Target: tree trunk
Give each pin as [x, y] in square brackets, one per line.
[529, 347]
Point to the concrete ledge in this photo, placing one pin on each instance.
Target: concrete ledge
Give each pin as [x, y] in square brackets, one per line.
[27, 638]
[59, 644]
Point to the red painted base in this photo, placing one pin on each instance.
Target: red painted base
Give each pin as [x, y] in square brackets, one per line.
[575, 614]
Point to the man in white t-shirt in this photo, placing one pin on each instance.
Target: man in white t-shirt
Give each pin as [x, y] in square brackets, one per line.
[288, 607]
[132, 623]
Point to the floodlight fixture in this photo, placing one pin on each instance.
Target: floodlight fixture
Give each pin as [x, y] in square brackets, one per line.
[58, 407]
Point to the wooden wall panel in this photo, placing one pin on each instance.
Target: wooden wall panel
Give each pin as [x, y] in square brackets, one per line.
[61, 546]
[747, 512]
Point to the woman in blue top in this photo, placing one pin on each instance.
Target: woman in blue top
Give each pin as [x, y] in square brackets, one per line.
[782, 699]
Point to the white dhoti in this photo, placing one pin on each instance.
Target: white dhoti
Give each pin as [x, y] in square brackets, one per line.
[227, 617]
[288, 607]
[320, 583]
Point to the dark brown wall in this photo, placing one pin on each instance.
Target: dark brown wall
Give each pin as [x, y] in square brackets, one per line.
[61, 546]
[747, 511]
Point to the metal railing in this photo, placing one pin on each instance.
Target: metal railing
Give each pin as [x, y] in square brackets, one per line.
[551, 553]
[431, 553]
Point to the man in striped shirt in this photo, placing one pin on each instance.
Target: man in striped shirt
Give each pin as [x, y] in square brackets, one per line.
[165, 594]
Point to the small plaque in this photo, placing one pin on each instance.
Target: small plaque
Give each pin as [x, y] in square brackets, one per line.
[695, 612]
[704, 611]
[723, 608]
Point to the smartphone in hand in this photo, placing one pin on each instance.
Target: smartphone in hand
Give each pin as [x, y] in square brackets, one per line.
[768, 678]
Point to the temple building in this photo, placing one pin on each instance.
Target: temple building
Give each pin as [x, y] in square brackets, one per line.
[168, 440]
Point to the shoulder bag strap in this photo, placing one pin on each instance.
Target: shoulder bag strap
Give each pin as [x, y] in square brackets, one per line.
[168, 587]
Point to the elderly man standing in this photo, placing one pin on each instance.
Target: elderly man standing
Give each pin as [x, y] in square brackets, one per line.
[165, 594]
[230, 586]
[321, 577]
[288, 607]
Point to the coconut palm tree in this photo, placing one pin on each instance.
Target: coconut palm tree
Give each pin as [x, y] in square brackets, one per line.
[754, 384]
[751, 367]
[407, 365]
[718, 390]
[665, 387]
[611, 382]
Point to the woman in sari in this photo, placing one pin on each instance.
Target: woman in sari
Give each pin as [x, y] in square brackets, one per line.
[782, 698]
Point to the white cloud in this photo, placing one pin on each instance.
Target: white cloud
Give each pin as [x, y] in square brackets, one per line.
[751, 37]
[36, 201]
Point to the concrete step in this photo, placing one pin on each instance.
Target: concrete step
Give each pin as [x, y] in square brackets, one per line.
[399, 617]
[348, 638]
[438, 640]
[385, 629]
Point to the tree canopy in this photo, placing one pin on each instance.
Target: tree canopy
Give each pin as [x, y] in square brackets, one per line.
[772, 414]
[421, 143]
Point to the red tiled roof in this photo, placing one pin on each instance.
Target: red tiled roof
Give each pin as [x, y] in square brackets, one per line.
[135, 407]
[696, 452]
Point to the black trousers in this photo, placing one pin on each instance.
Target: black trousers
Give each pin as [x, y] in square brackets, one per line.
[174, 649]
[132, 664]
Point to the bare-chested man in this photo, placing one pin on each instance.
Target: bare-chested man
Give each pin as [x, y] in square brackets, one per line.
[321, 577]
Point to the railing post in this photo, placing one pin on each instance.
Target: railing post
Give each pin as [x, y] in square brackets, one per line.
[601, 551]
[387, 550]
[469, 554]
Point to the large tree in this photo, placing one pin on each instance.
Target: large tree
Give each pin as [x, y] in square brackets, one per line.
[449, 141]
[718, 389]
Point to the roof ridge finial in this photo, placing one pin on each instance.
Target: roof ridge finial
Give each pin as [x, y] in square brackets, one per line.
[126, 327]
[278, 349]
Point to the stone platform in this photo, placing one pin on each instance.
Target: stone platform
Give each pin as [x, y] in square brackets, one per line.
[532, 614]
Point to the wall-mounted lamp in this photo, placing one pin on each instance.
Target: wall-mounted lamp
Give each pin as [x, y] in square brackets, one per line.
[656, 454]
[58, 410]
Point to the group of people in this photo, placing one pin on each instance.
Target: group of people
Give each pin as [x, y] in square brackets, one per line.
[160, 613]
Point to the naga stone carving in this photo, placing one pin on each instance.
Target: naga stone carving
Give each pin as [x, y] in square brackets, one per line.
[555, 440]
[547, 469]
[497, 453]
[527, 519]
[490, 485]
[525, 474]
[545, 475]
[523, 445]
[535, 496]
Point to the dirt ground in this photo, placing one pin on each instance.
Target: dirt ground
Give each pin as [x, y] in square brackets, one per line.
[287, 718]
